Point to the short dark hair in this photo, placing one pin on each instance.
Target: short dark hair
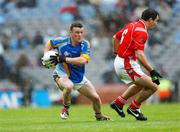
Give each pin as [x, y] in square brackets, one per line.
[149, 13]
[75, 24]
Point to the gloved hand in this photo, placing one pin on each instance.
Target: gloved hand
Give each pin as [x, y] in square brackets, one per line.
[47, 64]
[54, 60]
[57, 59]
[155, 77]
[62, 59]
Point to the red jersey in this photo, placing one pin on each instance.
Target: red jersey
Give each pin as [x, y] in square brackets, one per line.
[132, 36]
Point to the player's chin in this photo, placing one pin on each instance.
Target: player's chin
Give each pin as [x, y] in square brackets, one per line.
[79, 40]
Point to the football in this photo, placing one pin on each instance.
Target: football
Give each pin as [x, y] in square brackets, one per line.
[46, 59]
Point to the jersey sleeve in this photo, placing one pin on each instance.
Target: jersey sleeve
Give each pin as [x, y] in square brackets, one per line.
[85, 50]
[139, 39]
[118, 35]
[57, 42]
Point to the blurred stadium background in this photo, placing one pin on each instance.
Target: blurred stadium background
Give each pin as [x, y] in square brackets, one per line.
[26, 25]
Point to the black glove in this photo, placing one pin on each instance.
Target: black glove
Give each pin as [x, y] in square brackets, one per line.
[155, 77]
[47, 64]
[62, 59]
[53, 60]
[57, 59]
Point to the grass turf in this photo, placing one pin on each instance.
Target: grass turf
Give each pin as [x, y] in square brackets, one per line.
[161, 118]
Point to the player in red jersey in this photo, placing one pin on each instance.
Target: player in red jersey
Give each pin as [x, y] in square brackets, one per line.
[129, 45]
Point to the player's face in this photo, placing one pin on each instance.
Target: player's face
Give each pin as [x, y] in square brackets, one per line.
[153, 23]
[77, 34]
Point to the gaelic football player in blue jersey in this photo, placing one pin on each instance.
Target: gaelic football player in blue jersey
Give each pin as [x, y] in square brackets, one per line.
[74, 53]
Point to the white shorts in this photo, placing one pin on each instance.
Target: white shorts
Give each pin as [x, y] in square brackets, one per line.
[76, 85]
[127, 70]
[80, 84]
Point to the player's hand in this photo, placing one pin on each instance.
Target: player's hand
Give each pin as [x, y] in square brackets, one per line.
[155, 77]
[54, 60]
[57, 59]
[47, 64]
[114, 53]
[51, 62]
[62, 59]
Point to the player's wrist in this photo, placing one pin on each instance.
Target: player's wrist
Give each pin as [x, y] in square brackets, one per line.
[115, 52]
[62, 59]
[151, 71]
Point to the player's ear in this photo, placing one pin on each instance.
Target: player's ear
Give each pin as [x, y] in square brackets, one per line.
[70, 32]
[150, 20]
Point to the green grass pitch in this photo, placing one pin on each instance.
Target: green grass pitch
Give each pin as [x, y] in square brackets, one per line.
[161, 118]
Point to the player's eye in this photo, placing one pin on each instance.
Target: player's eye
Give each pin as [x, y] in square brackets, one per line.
[79, 32]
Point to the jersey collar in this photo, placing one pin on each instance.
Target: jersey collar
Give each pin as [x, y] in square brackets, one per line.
[70, 41]
[143, 23]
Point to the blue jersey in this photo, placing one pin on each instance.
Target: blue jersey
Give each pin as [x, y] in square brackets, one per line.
[65, 47]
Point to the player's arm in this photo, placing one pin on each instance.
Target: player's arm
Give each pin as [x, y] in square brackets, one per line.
[77, 60]
[143, 60]
[83, 58]
[116, 40]
[140, 40]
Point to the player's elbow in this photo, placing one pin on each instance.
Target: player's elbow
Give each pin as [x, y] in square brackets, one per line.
[139, 54]
[83, 61]
[114, 37]
[80, 61]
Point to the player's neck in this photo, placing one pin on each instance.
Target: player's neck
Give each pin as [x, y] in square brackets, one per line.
[74, 43]
[145, 23]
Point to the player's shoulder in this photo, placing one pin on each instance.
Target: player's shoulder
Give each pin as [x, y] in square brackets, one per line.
[140, 28]
[85, 41]
[129, 26]
[140, 24]
[60, 39]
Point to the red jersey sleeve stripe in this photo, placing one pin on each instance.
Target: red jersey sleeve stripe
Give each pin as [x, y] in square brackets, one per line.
[140, 29]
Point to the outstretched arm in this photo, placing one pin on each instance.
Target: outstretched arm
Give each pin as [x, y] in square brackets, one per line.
[115, 43]
[83, 59]
[76, 60]
[143, 60]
